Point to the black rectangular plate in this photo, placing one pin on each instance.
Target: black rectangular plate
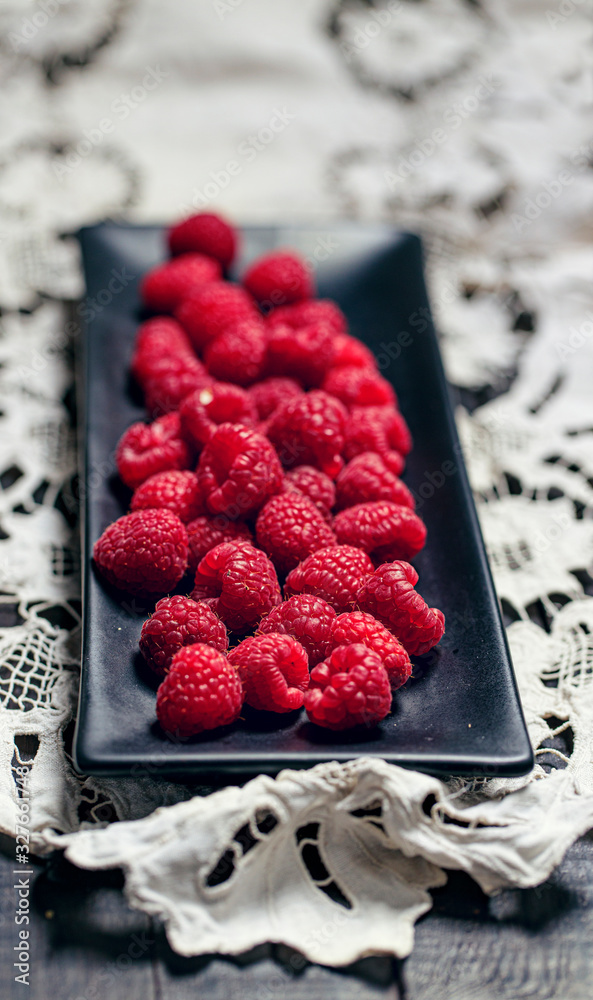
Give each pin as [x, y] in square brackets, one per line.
[460, 713]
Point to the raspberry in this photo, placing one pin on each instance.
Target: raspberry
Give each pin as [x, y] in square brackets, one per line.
[389, 595]
[305, 353]
[309, 430]
[238, 354]
[270, 393]
[336, 574]
[177, 622]
[352, 353]
[174, 490]
[382, 528]
[145, 449]
[239, 582]
[314, 484]
[207, 531]
[144, 552]
[278, 278]
[208, 311]
[161, 345]
[289, 527]
[201, 691]
[366, 478]
[379, 429]
[311, 311]
[163, 288]
[306, 617]
[238, 471]
[204, 233]
[358, 626]
[350, 688]
[220, 403]
[274, 671]
[167, 389]
[359, 387]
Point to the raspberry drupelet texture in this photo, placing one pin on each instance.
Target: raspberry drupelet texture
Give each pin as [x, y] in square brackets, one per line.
[314, 484]
[238, 354]
[238, 471]
[352, 353]
[367, 478]
[390, 597]
[309, 619]
[309, 430]
[144, 552]
[278, 278]
[145, 449]
[209, 530]
[336, 574]
[380, 429]
[304, 353]
[274, 671]
[220, 403]
[167, 388]
[161, 345]
[163, 288]
[290, 527]
[205, 233]
[209, 311]
[311, 311]
[176, 622]
[355, 386]
[270, 393]
[382, 528]
[201, 691]
[176, 490]
[239, 583]
[350, 688]
[358, 626]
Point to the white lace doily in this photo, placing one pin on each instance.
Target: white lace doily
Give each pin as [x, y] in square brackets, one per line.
[468, 123]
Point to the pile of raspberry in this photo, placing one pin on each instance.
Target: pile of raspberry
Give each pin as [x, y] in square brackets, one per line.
[267, 516]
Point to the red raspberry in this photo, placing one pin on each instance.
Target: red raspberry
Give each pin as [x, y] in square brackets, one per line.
[238, 471]
[239, 582]
[238, 355]
[309, 430]
[366, 478]
[161, 345]
[174, 490]
[311, 311]
[358, 626]
[163, 288]
[144, 552]
[278, 278]
[314, 484]
[380, 429]
[201, 691]
[270, 393]
[389, 595]
[382, 528]
[145, 449]
[166, 390]
[177, 622]
[220, 403]
[274, 671]
[336, 574]
[208, 311]
[359, 387]
[306, 617]
[352, 353]
[204, 233]
[350, 688]
[207, 531]
[305, 353]
[289, 527]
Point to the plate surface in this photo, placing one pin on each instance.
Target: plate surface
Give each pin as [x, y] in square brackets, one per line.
[460, 713]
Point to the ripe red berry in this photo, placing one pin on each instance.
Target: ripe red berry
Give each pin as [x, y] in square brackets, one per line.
[211, 309]
[209, 530]
[238, 471]
[145, 449]
[306, 617]
[358, 626]
[166, 388]
[176, 622]
[270, 393]
[389, 595]
[161, 345]
[239, 582]
[163, 288]
[289, 527]
[355, 386]
[144, 552]
[205, 233]
[304, 353]
[382, 528]
[176, 490]
[201, 691]
[367, 478]
[314, 484]
[274, 671]
[220, 403]
[309, 311]
[352, 353]
[309, 430]
[380, 429]
[336, 574]
[350, 688]
[239, 353]
[278, 278]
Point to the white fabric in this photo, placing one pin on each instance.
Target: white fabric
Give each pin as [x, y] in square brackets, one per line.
[469, 124]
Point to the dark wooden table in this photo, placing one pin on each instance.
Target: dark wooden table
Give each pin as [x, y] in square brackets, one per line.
[86, 944]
